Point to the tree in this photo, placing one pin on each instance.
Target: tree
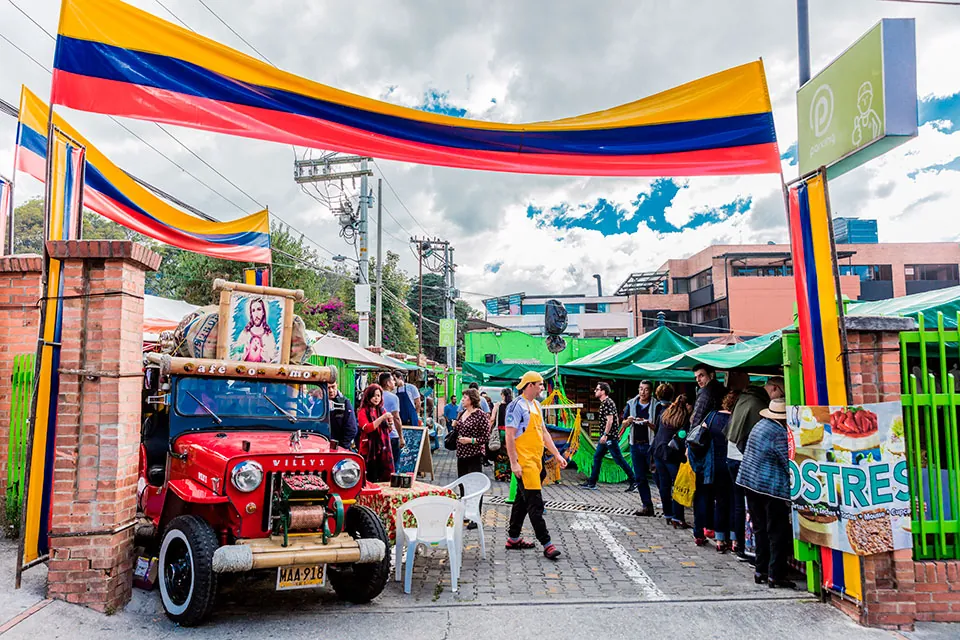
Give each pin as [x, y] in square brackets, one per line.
[433, 311]
[28, 227]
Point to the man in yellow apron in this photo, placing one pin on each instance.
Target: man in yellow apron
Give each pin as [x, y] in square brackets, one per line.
[526, 439]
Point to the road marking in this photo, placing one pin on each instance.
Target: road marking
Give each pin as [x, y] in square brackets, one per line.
[14, 621]
[601, 524]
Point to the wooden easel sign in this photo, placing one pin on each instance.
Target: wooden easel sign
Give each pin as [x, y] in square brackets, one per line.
[416, 457]
[256, 322]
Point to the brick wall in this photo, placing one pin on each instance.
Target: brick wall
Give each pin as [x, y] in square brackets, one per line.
[19, 320]
[98, 423]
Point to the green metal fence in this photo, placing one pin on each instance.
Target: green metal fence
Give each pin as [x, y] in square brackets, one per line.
[17, 445]
[930, 361]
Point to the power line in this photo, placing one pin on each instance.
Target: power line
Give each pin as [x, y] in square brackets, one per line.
[175, 16]
[15, 46]
[397, 196]
[234, 32]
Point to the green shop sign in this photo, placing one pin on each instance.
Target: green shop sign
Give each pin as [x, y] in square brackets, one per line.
[448, 332]
[863, 103]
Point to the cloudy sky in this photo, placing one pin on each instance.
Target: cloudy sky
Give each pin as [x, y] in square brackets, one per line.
[526, 61]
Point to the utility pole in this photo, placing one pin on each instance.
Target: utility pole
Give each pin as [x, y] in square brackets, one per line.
[803, 40]
[420, 310]
[378, 339]
[364, 316]
[323, 170]
[427, 247]
[451, 295]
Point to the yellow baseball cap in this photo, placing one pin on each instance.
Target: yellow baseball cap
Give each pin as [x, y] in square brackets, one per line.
[528, 377]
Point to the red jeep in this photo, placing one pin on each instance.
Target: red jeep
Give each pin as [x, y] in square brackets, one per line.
[238, 474]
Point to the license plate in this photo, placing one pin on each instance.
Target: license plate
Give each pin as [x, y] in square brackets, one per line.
[305, 576]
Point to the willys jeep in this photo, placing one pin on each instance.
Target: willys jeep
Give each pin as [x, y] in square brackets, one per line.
[237, 476]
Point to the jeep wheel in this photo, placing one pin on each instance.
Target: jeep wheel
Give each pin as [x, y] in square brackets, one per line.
[361, 583]
[188, 584]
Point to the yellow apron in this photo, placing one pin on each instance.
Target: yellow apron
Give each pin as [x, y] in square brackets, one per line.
[530, 448]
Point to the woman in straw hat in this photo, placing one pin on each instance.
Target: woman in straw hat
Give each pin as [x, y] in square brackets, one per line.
[765, 476]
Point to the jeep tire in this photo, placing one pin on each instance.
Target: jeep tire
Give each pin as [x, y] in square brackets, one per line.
[361, 583]
[188, 585]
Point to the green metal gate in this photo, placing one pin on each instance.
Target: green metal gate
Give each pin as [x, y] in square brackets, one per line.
[930, 361]
[17, 445]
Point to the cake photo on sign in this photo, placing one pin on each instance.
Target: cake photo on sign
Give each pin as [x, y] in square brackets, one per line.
[854, 429]
[870, 532]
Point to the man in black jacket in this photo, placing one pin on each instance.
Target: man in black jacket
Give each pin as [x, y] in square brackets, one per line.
[709, 396]
[343, 421]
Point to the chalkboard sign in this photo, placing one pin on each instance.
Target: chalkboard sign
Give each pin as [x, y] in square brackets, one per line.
[415, 457]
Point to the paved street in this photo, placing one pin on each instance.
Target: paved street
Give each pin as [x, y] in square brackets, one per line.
[619, 574]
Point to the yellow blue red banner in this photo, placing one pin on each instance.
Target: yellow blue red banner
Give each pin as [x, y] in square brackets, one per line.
[259, 276]
[818, 317]
[65, 204]
[114, 58]
[112, 193]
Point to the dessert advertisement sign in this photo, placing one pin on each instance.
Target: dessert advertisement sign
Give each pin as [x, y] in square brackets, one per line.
[848, 477]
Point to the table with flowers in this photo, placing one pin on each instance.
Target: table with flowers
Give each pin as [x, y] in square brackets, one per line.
[390, 499]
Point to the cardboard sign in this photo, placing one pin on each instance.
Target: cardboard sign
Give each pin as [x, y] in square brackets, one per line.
[849, 479]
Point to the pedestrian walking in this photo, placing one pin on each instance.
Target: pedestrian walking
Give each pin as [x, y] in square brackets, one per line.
[668, 454]
[343, 421]
[611, 430]
[745, 415]
[450, 412]
[765, 474]
[526, 439]
[640, 415]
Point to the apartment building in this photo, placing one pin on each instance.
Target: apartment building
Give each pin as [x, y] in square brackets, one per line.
[748, 290]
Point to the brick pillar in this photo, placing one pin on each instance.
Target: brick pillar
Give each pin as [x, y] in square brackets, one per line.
[873, 346]
[19, 320]
[98, 421]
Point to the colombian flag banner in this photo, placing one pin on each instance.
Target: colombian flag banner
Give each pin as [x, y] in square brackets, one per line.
[820, 346]
[112, 193]
[65, 206]
[115, 59]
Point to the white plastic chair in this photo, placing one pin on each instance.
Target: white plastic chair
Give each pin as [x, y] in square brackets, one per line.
[432, 514]
[474, 486]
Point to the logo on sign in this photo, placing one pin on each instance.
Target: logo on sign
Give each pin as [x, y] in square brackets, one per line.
[821, 110]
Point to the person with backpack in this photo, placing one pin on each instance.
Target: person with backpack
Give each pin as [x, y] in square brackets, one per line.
[669, 452]
[707, 453]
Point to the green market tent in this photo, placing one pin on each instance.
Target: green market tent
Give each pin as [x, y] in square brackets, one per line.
[927, 304]
[502, 373]
[626, 359]
[763, 352]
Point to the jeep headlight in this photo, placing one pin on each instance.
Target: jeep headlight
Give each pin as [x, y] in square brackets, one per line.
[346, 473]
[247, 476]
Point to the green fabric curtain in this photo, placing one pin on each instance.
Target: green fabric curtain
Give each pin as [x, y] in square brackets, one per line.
[610, 471]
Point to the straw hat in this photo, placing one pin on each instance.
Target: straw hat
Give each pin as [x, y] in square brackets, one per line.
[528, 378]
[776, 411]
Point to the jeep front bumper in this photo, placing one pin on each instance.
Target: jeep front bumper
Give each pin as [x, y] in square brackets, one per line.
[269, 553]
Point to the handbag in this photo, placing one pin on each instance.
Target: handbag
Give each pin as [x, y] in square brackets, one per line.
[450, 440]
[685, 485]
[493, 442]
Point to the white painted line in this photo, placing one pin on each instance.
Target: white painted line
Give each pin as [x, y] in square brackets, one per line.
[601, 524]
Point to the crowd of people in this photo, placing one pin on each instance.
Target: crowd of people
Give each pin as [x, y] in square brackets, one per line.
[734, 439]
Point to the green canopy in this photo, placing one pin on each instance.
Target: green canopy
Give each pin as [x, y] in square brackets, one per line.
[928, 304]
[502, 373]
[626, 359]
[758, 353]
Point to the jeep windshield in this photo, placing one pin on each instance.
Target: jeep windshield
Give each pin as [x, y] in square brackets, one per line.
[224, 403]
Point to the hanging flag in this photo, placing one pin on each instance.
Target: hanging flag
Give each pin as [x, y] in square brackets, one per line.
[112, 193]
[818, 317]
[113, 58]
[6, 213]
[64, 209]
[259, 276]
